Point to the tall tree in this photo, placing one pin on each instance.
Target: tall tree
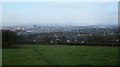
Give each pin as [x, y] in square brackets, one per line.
[9, 38]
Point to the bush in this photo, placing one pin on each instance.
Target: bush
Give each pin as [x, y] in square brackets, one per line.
[9, 38]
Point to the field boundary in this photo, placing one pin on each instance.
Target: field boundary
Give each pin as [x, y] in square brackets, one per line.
[86, 44]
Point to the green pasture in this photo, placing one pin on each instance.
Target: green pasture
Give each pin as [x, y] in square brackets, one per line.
[60, 55]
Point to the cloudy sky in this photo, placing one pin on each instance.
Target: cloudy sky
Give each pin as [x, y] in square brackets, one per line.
[62, 13]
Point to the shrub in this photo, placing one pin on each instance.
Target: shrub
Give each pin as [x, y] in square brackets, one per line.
[9, 38]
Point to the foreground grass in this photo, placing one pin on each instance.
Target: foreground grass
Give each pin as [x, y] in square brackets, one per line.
[0, 57]
[61, 55]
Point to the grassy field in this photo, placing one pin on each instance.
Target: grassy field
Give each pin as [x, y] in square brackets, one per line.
[61, 55]
[0, 57]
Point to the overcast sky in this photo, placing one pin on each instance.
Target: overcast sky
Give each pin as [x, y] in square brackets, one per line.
[62, 13]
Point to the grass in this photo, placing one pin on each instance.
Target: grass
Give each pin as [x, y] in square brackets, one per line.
[0, 57]
[61, 55]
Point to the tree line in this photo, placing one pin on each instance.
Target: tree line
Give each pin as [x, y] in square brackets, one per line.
[10, 39]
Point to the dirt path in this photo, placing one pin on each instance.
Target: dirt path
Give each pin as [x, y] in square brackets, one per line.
[40, 55]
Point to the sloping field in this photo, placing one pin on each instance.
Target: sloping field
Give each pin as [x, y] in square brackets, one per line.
[61, 55]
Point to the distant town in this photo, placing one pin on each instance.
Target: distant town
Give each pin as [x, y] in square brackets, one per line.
[101, 29]
[70, 34]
